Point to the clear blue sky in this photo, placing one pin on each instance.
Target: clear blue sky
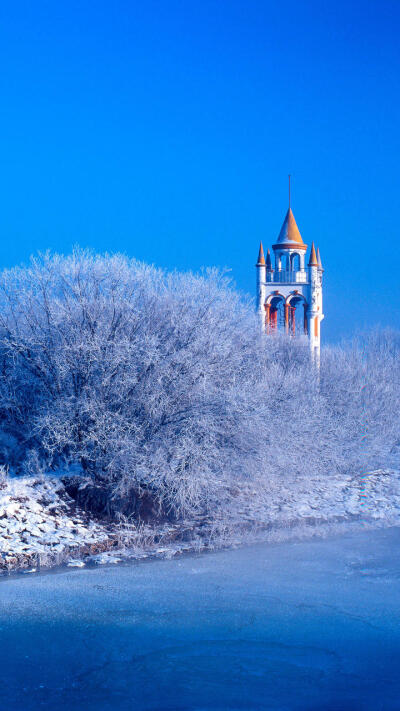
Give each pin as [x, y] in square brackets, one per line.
[166, 130]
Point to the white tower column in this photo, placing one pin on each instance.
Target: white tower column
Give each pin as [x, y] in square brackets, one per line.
[261, 270]
[314, 314]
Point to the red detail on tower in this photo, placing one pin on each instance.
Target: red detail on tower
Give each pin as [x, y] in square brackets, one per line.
[267, 317]
[293, 319]
[286, 307]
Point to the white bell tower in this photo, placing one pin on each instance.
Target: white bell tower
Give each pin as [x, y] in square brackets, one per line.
[289, 294]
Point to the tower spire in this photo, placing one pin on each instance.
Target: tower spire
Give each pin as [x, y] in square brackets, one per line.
[313, 257]
[261, 258]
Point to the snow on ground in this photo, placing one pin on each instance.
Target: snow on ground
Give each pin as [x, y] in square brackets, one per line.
[41, 527]
[373, 497]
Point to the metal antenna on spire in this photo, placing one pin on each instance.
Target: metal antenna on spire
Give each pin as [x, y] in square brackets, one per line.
[289, 190]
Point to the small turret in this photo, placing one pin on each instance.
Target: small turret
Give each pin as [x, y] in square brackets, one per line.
[261, 279]
[313, 262]
[314, 311]
[261, 258]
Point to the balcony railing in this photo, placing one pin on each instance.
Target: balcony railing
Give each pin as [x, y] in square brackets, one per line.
[294, 277]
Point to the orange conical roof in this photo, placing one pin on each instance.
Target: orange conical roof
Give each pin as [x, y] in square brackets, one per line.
[313, 262]
[319, 260]
[289, 235]
[261, 258]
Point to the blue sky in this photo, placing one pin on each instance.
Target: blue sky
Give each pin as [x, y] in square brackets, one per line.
[166, 130]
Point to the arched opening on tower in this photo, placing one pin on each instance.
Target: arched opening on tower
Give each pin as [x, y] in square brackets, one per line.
[275, 314]
[282, 262]
[296, 317]
[295, 262]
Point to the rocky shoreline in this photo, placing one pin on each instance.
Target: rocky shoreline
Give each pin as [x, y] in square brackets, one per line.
[42, 527]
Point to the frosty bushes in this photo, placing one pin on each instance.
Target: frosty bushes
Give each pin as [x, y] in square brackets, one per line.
[160, 387]
[149, 380]
[360, 386]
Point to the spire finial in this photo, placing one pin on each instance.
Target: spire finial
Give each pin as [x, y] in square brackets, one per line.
[289, 176]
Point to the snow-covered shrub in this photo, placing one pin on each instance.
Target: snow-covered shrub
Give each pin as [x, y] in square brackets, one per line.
[149, 379]
[161, 389]
[360, 387]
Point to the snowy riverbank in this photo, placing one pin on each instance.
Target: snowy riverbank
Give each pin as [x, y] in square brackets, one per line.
[40, 526]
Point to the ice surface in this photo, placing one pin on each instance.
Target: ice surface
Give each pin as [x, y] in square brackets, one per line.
[290, 626]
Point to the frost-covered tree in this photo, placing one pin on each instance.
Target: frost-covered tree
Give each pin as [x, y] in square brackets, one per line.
[161, 384]
[360, 385]
[149, 379]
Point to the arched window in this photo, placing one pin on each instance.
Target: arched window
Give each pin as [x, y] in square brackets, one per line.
[275, 314]
[297, 315]
[295, 262]
[282, 262]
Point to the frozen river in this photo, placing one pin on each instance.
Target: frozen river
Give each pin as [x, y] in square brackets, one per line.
[297, 626]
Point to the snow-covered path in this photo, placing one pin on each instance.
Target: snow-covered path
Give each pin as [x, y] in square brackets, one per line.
[291, 626]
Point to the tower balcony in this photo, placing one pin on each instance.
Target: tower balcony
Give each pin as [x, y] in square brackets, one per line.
[299, 276]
